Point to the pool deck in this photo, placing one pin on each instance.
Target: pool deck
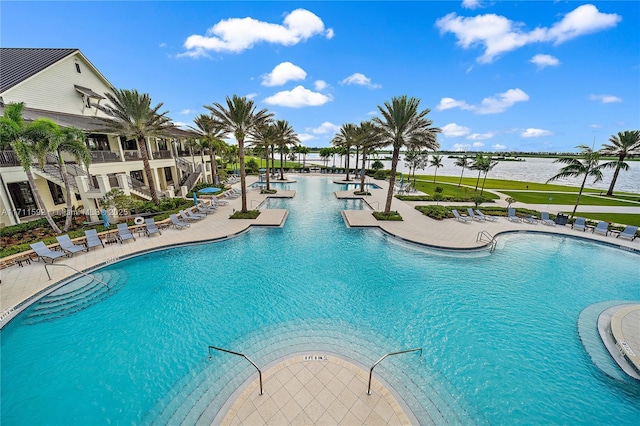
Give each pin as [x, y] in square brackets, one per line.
[280, 405]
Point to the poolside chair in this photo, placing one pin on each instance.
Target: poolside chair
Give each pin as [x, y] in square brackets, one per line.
[460, 218]
[602, 228]
[474, 216]
[150, 227]
[532, 220]
[486, 216]
[68, 246]
[177, 223]
[629, 232]
[203, 208]
[544, 218]
[511, 216]
[45, 252]
[124, 233]
[92, 238]
[580, 224]
[189, 215]
[218, 202]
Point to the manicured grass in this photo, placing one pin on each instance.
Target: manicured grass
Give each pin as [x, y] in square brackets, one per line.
[456, 191]
[625, 219]
[393, 215]
[564, 198]
[250, 214]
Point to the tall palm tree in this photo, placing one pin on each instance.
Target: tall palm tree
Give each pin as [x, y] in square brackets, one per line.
[131, 114]
[403, 125]
[622, 145]
[72, 142]
[325, 153]
[487, 165]
[367, 139]
[211, 139]
[285, 137]
[239, 117]
[436, 161]
[464, 163]
[575, 168]
[478, 164]
[304, 150]
[344, 140]
[264, 136]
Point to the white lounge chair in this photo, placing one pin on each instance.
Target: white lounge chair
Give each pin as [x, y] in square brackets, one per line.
[92, 238]
[150, 227]
[512, 217]
[177, 223]
[124, 233]
[218, 202]
[544, 218]
[486, 216]
[532, 220]
[203, 208]
[460, 217]
[68, 246]
[45, 252]
[474, 216]
[187, 214]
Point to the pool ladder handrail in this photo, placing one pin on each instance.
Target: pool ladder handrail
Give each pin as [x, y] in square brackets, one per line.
[485, 237]
[239, 354]
[386, 355]
[78, 271]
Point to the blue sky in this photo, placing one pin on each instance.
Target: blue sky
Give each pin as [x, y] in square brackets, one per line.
[496, 75]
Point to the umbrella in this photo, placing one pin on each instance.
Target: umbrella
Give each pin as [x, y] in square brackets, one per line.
[105, 218]
[195, 199]
[208, 190]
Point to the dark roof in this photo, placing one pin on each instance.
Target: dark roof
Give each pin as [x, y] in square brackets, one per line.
[18, 64]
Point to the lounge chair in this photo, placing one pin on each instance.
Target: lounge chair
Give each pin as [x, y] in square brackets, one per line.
[68, 246]
[218, 202]
[150, 227]
[460, 218]
[530, 219]
[474, 216]
[580, 224]
[203, 208]
[544, 218]
[486, 216]
[45, 252]
[177, 223]
[512, 217]
[187, 214]
[629, 232]
[602, 228]
[124, 233]
[92, 238]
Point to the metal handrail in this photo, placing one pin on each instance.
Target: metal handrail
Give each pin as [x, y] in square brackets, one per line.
[377, 202]
[239, 354]
[380, 360]
[257, 201]
[481, 237]
[80, 272]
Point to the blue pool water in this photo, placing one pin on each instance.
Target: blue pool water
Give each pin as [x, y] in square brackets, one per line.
[498, 330]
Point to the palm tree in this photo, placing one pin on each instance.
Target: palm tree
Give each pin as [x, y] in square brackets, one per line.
[464, 163]
[486, 166]
[72, 142]
[403, 125]
[575, 168]
[239, 117]
[436, 161]
[478, 164]
[210, 138]
[325, 153]
[131, 114]
[367, 138]
[623, 144]
[344, 140]
[285, 137]
[304, 150]
[264, 136]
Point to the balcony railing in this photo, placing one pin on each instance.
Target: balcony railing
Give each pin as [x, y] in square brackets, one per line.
[158, 155]
[8, 158]
[104, 157]
[132, 156]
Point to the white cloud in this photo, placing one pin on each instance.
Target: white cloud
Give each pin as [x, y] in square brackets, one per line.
[283, 72]
[304, 137]
[471, 4]
[298, 97]
[453, 130]
[497, 34]
[181, 124]
[544, 61]
[186, 111]
[239, 34]
[324, 128]
[251, 95]
[461, 146]
[478, 144]
[490, 105]
[320, 85]
[360, 80]
[163, 44]
[498, 147]
[535, 133]
[605, 99]
[479, 137]
[595, 126]
[373, 112]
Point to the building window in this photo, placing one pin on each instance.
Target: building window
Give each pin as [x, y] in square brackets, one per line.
[97, 142]
[56, 193]
[128, 144]
[78, 68]
[167, 174]
[22, 199]
[137, 175]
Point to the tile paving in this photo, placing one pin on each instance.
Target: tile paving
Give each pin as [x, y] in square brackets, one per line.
[299, 392]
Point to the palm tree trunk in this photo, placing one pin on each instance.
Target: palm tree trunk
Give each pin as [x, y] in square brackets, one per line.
[213, 165]
[392, 179]
[478, 180]
[266, 156]
[573, 213]
[147, 169]
[364, 163]
[281, 164]
[348, 163]
[40, 203]
[613, 180]
[483, 181]
[243, 174]
[460, 181]
[67, 190]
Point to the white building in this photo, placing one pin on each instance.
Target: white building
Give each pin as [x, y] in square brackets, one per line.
[61, 84]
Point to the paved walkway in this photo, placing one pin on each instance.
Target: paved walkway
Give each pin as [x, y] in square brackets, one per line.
[334, 379]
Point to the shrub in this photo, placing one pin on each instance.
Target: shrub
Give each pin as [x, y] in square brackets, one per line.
[377, 165]
[380, 175]
[391, 216]
[251, 214]
[435, 212]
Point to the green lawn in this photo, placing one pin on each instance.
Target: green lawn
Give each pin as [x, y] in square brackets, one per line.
[568, 199]
[626, 219]
[429, 187]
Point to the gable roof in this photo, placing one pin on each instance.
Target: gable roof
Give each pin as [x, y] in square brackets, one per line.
[18, 64]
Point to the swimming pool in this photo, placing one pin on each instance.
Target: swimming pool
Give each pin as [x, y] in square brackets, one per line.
[498, 331]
